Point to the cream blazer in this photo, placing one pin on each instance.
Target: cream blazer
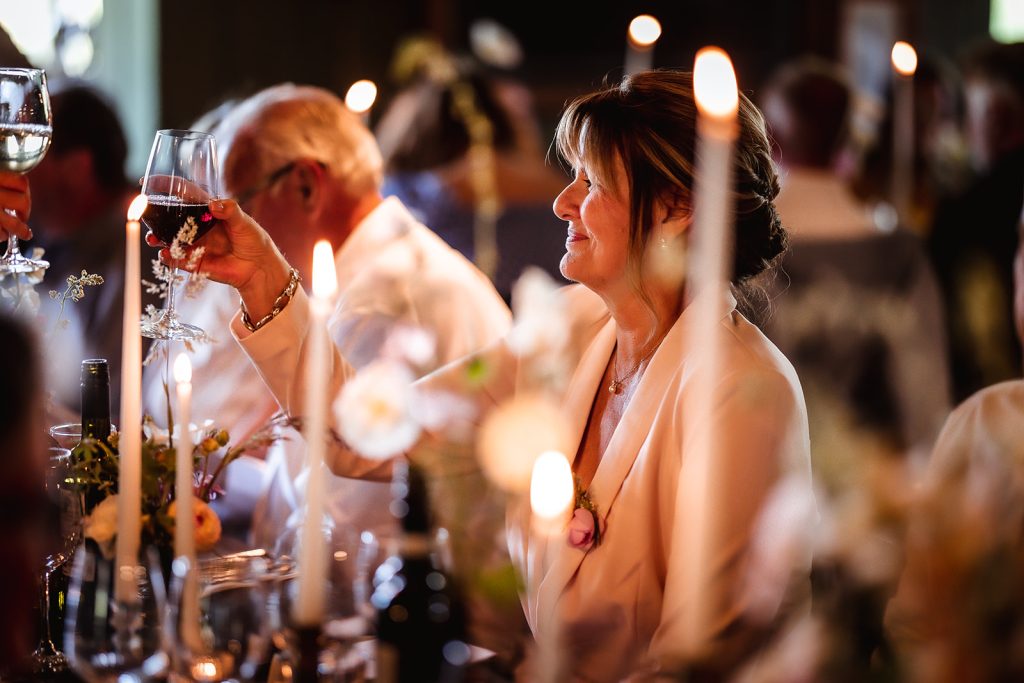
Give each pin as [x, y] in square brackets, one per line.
[621, 607]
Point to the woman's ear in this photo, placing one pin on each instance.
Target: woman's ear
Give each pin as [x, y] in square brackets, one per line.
[675, 217]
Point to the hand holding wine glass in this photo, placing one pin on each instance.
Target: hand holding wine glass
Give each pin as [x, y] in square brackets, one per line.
[181, 179]
[25, 131]
[239, 253]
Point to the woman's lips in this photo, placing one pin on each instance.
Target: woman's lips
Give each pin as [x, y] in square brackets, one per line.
[574, 236]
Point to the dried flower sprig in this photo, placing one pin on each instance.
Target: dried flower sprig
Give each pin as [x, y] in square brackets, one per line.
[75, 290]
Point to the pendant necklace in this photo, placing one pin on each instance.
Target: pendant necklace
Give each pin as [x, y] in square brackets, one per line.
[615, 386]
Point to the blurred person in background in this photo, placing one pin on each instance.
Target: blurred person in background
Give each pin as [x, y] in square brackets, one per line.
[460, 143]
[23, 504]
[940, 166]
[959, 611]
[80, 197]
[974, 236]
[857, 310]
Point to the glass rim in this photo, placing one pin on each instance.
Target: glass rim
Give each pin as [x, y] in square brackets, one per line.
[184, 133]
[21, 70]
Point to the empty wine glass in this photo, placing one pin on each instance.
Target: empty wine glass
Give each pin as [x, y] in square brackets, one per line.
[61, 491]
[110, 640]
[218, 623]
[181, 179]
[25, 131]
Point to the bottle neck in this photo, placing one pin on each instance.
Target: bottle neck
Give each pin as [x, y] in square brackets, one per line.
[95, 428]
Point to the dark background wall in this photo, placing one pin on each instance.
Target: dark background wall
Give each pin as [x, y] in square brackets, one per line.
[214, 50]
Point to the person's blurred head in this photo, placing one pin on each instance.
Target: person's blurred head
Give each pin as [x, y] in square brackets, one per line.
[807, 107]
[427, 124]
[994, 97]
[301, 164]
[83, 173]
[631, 146]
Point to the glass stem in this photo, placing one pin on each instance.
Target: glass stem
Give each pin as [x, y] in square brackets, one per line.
[13, 251]
[44, 613]
[172, 286]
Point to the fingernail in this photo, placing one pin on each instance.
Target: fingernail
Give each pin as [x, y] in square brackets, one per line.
[218, 205]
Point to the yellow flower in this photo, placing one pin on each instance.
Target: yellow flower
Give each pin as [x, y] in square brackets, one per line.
[207, 524]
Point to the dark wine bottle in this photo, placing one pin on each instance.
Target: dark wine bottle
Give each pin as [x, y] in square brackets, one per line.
[421, 627]
[95, 420]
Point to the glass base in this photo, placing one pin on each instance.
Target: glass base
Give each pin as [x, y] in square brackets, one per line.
[47, 660]
[170, 328]
[20, 264]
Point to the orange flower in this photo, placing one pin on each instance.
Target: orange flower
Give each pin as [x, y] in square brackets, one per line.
[207, 524]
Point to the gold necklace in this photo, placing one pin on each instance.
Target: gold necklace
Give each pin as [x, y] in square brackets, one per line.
[615, 386]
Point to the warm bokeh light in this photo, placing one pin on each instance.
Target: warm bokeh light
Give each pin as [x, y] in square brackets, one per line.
[714, 83]
[182, 369]
[551, 489]
[360, 96]
[515, 433]
[904, 58]
[325, 279]
[136, 208]
[644, 30]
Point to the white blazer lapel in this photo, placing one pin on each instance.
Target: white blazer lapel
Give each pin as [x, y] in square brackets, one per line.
[561, 560]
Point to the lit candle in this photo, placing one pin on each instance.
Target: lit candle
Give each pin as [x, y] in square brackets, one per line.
[551, 498]
[360, 98]
[904, 64]
[717, 98]
[309, 605]
[184, 527]
[129, 444]
[551, 492]
[643, 33]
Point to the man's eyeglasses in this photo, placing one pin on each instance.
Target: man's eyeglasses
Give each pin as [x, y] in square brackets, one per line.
[245, 197]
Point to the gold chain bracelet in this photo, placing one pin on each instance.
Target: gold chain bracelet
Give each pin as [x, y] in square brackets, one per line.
[279, 303]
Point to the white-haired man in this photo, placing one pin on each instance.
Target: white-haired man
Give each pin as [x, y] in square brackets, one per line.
[307, 169]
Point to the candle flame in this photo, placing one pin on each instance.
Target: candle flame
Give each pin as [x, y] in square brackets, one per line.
[714, 83]
[551, 489]
[182, 369]
[136, 208]
[325, 280]
[904, 58]
[644, 30]
[360, 96]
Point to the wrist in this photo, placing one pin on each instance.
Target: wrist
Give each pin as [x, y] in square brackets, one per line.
[263, 289]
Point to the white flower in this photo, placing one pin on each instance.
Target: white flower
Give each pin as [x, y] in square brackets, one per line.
[411, 344]
[374, 410]
[101, 525]
[782, 545]
[515, 433]
[539, 315]
[445, 412]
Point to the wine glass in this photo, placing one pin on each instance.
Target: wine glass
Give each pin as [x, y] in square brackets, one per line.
[107, 639]
[60, 490]
[25, 131]
[181, 179]
[218, 623]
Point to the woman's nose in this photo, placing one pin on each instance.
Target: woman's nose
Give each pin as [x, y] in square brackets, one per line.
[565, 207]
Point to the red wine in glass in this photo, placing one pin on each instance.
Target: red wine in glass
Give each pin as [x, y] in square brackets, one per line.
[165, 216]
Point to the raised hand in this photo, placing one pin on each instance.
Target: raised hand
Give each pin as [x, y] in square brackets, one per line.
[14, 197]
[238, 252]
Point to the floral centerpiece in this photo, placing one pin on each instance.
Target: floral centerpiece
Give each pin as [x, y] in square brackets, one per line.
[96, 467]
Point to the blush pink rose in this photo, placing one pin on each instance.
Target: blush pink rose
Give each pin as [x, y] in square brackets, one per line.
[583, 529]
